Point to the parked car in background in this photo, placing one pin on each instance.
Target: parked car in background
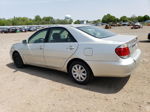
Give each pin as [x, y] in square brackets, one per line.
[12, 30]
[1, 30]
[83, 51]
[5, 30]
[22, 29]
[32, 28]
[115, 24]
[103, 24]
[137, 26]
[147, 22]
[125, 23]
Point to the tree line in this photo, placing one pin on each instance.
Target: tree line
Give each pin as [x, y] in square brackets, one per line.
[37, 20]
[110, 18]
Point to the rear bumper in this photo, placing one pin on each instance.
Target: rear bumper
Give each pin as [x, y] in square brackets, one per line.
[122, 68]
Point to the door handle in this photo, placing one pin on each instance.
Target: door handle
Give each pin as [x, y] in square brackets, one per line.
[70, 48]
[41, 48]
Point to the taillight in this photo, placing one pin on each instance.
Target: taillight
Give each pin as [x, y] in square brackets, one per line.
[123, 51]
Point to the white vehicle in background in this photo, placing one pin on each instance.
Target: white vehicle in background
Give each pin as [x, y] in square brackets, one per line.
[83, 51]
[137, 25]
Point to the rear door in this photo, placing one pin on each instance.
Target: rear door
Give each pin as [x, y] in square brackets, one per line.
[60, 45]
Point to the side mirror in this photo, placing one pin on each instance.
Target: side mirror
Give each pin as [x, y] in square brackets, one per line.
[24, 41]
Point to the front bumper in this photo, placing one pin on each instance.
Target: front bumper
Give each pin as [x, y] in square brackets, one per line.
[122, 68]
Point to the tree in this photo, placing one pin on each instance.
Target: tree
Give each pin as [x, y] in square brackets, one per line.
[146, 17]
[96, 21]
[37, 20]
[4, 22]
[124, 19]
[77, 22]
[140, 18]
[47, 20]
[133, 18]
[109, 18]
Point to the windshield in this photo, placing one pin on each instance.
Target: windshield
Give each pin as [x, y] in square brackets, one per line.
[96, 32]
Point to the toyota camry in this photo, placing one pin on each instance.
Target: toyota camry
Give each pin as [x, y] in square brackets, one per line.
[83, 51]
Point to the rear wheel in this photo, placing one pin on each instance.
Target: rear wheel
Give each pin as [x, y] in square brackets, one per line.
[18, 60]
[80, 72]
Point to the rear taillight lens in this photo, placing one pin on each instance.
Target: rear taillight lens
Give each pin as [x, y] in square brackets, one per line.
[123, 51]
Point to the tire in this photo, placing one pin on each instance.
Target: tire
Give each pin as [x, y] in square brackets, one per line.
[149, 36]
[80, 72]
[18, 60]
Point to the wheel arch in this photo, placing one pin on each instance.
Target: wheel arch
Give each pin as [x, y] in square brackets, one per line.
[78, 59]
[15, 51]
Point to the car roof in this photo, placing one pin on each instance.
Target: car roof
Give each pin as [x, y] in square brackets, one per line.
[67, 26]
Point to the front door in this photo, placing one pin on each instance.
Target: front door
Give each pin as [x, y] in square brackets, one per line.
[34, 53]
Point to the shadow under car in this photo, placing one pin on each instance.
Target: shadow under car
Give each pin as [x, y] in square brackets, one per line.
[100, 84]
[144, 41]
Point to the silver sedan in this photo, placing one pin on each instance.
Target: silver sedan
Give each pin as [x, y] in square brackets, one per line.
[83, 51]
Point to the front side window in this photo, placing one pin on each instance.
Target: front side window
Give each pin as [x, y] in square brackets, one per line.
[96, 32]
[58, 35]
[38, 37]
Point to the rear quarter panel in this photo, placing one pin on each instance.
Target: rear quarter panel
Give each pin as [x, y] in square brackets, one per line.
[100, 51]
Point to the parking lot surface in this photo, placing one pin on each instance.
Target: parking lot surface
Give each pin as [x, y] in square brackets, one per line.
[34, 89]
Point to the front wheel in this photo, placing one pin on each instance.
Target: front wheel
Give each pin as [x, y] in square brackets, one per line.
[80, 72]
[18, 60]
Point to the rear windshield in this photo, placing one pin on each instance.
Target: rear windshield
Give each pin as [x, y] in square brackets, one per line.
[96, 31]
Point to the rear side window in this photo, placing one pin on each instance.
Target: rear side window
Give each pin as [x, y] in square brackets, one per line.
[96, 32]
[59, 35]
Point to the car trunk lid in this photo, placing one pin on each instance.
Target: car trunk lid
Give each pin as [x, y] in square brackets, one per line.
[130, 41]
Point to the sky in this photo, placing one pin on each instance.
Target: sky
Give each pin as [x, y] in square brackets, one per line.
[78, 9]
